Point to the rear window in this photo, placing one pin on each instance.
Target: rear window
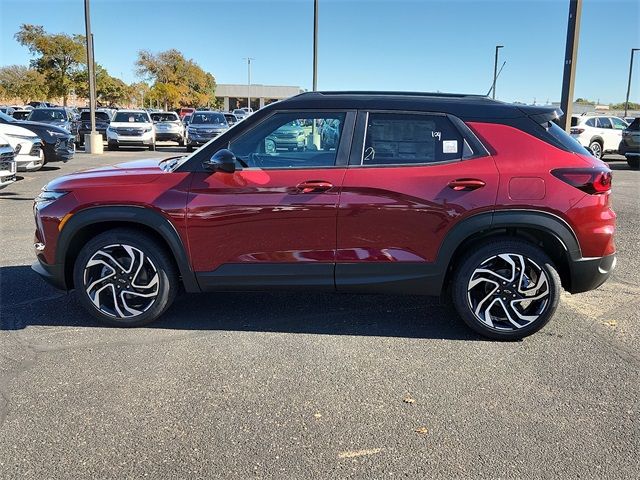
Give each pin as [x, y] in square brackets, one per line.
[566, 140]
[86, 116]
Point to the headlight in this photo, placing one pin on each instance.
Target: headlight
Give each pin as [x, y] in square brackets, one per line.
[33, 138]
[53, 133]
[46, 197]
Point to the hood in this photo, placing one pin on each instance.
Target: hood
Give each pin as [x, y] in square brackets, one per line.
[129, 173]
[208, 126]
[14, 129]
[36, 126]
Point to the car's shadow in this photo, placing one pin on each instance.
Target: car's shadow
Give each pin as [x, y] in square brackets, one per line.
[26, 300]
[620, 166]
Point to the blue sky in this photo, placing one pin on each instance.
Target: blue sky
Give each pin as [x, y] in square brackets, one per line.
[420, 45]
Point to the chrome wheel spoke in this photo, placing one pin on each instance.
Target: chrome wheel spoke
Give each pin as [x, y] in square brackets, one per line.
[508, 291]
[121, 281]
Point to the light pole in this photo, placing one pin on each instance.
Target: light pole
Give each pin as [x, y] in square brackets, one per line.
[570, 60]
[248, 59]
[315, 45]
[495, 71]
[93, 141]
[626, 102]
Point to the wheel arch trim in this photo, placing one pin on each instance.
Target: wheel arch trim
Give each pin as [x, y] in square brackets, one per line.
[134, 215]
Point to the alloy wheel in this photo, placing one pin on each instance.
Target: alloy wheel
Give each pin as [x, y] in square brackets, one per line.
[596, 149]
[508, 292]
[121, 281]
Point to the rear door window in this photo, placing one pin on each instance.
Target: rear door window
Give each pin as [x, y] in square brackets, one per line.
[407, 138]
[604, 122]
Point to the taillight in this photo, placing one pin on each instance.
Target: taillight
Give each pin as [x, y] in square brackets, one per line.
[577, 131]
[589, 180]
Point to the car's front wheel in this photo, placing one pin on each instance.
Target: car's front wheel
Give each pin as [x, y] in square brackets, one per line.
[125, 278]
[506, 289]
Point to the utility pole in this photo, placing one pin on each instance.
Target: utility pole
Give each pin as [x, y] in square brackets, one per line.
[315, 45]
[570, 60]
[495, 71]
[248, 59]
[626, 102]
[93, 141]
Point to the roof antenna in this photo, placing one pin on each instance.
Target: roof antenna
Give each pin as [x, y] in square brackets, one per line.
[493, 85]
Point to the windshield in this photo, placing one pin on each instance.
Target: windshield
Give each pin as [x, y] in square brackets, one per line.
[208, 118]
[86, 116]
[131, 117]
[165, 117]
[39, 115]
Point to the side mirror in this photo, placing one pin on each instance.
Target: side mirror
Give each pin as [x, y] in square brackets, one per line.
[222, 161]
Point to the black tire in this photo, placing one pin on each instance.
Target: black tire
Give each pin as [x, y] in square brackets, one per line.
[164, 285]
[152, 147]
[112, 146]
[189, 148]
[633, 162]
[486, 255]
[181, 142]
[596, 149]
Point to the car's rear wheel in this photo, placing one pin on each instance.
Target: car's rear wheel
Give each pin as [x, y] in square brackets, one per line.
[506, 289]
[125, 278]
[633, 162]
[596, 149]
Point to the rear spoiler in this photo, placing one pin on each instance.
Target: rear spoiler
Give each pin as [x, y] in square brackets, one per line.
[542, 115]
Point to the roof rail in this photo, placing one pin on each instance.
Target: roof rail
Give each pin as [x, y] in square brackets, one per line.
[395, 93]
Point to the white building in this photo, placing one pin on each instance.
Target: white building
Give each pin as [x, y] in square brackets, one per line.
[236, 95]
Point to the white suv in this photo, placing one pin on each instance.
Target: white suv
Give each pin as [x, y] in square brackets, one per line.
[7, 163]
[599, 133]
[131, 128]
[26, 145]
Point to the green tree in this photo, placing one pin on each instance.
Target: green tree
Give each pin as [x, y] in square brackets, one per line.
[620, 106]
[22, 82]
[176, 80]
[109, 90]
[57, 56]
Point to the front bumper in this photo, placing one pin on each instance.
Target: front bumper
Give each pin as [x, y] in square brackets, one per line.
[29, 163]
[53, 274]
[589, 273]
[131, 141]
[169, 136]
[62, 150]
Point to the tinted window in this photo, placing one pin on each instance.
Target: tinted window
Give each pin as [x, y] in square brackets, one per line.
[208, 118]
[618, 123]
[131, 117]
[574, 121]
[591, 122]
[290, 140]
[86, 116]
[566, 140]
[635, 125]
[603, 122]
[396, 139]
[165, 117]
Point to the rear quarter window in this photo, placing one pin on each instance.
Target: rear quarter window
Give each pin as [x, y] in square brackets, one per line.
[566, 140]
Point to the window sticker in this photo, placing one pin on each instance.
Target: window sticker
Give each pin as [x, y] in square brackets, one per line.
[450, 146]
[437, 135]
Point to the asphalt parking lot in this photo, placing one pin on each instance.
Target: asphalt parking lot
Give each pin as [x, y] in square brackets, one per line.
[313, 386]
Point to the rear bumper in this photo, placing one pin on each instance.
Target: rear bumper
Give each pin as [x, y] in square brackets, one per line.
[53, 274]
[589, 273]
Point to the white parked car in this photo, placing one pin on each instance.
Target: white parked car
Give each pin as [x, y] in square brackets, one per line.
[7, 163]
[168, 127]
[131, 128]
[26, 145]
[599, 133]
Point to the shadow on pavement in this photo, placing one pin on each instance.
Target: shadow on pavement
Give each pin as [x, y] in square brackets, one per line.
[27, 300]
[620, 166]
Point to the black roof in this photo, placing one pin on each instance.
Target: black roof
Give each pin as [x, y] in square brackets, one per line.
[465, 106]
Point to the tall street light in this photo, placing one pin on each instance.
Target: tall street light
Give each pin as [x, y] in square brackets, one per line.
[248, 59]
[93, 141]
[626, 102]
[495, 71]
[315, 45]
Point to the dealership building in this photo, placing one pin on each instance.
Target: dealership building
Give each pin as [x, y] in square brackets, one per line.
[235, 96]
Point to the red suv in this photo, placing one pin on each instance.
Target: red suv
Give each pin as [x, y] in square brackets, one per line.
[488, 202]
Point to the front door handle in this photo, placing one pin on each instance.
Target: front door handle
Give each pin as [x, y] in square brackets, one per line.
[466, 184]
[314, 186]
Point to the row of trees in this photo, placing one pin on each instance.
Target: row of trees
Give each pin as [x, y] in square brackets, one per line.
[58, 69]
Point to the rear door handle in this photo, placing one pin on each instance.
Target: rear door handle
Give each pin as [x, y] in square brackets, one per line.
[314, 186]
[466, 184]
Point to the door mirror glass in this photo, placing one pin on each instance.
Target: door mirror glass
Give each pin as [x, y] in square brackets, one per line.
[222, 161]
